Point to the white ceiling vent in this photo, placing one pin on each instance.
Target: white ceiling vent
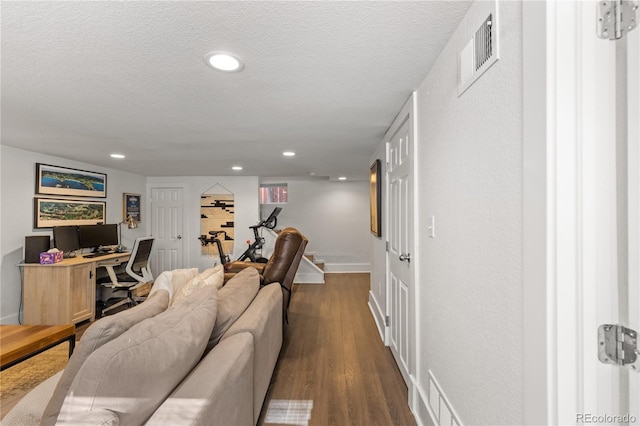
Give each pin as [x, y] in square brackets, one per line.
[480, 52]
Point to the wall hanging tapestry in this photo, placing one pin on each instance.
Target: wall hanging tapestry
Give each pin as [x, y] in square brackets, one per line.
[216, 214]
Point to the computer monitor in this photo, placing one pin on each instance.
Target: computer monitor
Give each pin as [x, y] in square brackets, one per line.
[66, 239]
[96, 236]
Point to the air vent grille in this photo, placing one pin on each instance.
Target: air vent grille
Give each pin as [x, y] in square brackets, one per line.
[483, 43]
[481, 50]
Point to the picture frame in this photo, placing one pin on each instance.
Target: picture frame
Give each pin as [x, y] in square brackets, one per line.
[375, 197]
[65, 181]
[131, 206]
[50, 212]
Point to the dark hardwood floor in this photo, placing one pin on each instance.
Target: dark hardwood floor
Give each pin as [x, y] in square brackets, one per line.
[334, 362]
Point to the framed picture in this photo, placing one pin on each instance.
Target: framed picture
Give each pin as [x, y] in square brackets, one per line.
[131, 206]
[54, 180]
[375, 196]
[48, 212]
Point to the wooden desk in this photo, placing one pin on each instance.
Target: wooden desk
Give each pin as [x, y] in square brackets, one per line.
[65, 292]
[20, 342]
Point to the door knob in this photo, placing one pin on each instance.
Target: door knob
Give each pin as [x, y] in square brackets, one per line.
[405, 257]
[179, 237]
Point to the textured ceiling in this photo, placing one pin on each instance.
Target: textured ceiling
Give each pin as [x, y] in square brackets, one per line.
[84, 79]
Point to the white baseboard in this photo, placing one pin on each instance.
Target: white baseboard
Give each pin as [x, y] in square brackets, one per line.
[378, 315]
[347, 267]
[421, 410]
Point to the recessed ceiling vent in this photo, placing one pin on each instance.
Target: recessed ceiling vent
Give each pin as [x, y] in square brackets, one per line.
[479, 54]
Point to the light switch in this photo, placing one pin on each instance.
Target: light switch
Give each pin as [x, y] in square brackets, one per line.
[431, 227]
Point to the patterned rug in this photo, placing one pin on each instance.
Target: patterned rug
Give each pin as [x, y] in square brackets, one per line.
[22, 377]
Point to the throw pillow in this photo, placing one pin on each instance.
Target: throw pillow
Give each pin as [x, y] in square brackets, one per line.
[233, 300]
[214, 276]
[123, 375]
[207, 278]
[172, 281]
[100, 332]
[211, 271]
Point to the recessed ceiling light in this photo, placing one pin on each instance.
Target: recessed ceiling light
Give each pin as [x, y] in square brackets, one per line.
[288, 153]
[236, 168]
[342, 178]
[117, 156]
[223, 61]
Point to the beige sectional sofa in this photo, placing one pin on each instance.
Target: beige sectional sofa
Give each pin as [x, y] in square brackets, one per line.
[206, 359]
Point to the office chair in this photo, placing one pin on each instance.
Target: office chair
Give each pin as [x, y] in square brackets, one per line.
[136, 273]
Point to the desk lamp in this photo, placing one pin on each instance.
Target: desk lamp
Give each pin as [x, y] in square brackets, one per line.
[131, 224]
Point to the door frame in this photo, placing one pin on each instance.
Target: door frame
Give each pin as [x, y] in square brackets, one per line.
[407, 113]
[558, 295]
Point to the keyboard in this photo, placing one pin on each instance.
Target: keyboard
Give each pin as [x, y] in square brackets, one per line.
[92, 255]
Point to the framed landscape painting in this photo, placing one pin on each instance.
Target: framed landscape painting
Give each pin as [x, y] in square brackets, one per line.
[49, 212]
[54, 180]
[375, 197]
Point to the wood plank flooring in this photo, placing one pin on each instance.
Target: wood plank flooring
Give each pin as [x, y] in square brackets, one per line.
[333, 356]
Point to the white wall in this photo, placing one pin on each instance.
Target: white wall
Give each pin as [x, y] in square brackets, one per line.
[18, 187]
[245, 190]
[471, 275]
[333, 215]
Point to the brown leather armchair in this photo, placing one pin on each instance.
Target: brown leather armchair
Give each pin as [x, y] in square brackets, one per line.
[281, 267]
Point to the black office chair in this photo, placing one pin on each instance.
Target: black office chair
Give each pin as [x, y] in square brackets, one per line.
[137, 273]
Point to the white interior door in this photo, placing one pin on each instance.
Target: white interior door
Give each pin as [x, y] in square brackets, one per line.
[400, 293]
[167, 227]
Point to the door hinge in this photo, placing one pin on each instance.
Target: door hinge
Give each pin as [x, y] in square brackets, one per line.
[615, 18]
[386, 245]
[387, 320]
[618, 345]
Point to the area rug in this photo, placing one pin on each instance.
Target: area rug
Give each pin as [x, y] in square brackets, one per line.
[22, 377]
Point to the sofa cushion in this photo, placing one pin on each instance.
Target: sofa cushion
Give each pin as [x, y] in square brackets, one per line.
[233, 300]
[172, 281]
[218, 391]
[99, 417]
[100, 332]
[134, 373]
[28, 411]
[213, 277]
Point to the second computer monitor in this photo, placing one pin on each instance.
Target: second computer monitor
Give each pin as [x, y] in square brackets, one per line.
[95, 236]
[65, 239]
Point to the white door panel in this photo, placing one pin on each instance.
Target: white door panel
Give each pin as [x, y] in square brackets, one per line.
[400, 237]
[167, 227]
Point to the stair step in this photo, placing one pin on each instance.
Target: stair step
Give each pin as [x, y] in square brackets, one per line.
[319, 265]
[309, 256]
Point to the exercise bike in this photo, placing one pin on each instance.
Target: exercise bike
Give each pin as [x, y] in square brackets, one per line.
[258, 242]
[213, 239]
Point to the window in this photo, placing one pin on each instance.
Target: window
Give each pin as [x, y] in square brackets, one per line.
[274, 193]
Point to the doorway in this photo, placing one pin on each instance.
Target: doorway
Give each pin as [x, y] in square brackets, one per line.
[401, 294]
[167, 227]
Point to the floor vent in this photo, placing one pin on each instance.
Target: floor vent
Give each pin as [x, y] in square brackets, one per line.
[479, 53]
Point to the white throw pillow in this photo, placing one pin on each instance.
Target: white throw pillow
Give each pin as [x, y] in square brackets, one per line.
[172, 281]
[211, 277]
